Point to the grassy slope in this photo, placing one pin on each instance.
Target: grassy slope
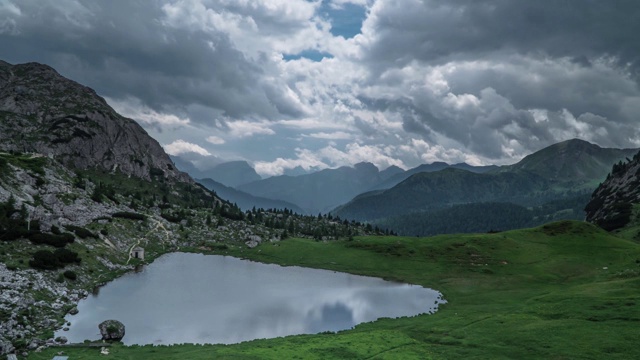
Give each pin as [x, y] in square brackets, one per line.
[543, 293]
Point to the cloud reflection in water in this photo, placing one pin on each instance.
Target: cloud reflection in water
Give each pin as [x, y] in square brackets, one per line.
[192, 298]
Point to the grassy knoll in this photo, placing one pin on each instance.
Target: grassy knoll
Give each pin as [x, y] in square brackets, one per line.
[562, 291]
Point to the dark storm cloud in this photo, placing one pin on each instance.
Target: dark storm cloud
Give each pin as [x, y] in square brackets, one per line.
[441, 30]
[477, 71]
[125, 48]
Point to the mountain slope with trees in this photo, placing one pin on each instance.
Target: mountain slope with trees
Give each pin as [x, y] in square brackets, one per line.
[615, 203]
[557, 175]
[81, 186]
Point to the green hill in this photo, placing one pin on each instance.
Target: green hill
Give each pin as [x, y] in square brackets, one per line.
[546, 179]
[573, 162]
[435, 190]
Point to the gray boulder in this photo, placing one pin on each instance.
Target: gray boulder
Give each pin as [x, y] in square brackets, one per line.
[5, 346]
[111, 330]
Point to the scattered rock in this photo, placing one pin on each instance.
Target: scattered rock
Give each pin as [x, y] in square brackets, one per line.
[251, 244]
[61, 340]
[35, 343]
[74, 310]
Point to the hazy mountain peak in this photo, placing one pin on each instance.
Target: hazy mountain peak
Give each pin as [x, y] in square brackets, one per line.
[234, 173]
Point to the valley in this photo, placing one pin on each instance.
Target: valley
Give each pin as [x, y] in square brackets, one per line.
[85, 191]
[518, 294]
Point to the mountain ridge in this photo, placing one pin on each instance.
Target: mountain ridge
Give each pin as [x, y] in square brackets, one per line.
[560, 172]
[44, 112]
[247, 201]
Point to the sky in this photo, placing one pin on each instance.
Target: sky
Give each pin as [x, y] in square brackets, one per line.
[298, 84]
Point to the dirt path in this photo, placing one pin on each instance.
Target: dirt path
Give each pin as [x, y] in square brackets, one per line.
[158, 225]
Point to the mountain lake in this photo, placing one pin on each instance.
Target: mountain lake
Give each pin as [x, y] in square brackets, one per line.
[194, 298]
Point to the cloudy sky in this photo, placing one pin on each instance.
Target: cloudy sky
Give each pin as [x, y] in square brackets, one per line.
[317, 84]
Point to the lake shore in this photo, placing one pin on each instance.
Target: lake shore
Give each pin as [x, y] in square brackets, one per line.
[564, 290]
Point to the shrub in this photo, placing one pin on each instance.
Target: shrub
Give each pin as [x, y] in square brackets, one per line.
[47, 260]
[44, 259]
[71, 275]
[66, 256]
[81, 232]
[129, 215]
[171, 218]
[58, 241]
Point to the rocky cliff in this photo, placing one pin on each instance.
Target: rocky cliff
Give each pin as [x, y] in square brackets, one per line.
[611, 205]
[43, 112]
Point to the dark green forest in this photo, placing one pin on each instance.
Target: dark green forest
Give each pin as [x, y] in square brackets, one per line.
[484, 217]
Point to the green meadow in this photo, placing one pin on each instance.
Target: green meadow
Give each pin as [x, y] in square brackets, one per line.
[566, 290]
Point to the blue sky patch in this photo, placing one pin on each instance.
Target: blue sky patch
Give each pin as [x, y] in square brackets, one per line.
[313, 55]
[345, 22]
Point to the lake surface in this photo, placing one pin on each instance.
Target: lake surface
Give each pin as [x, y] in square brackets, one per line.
[194, 298]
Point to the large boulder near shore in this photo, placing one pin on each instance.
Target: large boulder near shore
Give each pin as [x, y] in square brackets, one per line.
[111, 330]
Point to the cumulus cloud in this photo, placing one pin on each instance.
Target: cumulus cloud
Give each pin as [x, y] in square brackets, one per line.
[331, 157]
[425, 80]
[180, 146]
[215, 140]
[338, 135]
[134, 109]
[242, 128]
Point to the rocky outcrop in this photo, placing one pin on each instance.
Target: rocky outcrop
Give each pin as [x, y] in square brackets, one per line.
[112, 330]
[612, 202]
[43, 112]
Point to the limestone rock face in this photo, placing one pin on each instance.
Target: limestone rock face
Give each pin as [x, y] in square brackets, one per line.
[111, 330]
[43, 112]
[611, 204]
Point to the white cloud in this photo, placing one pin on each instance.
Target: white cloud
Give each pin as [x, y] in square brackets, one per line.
[244, 128]
[181, 147]
[133, 108]
[304, 159]
[332, 157]
[338, 135]
[215, 140]
[339, 4]
[427, 80]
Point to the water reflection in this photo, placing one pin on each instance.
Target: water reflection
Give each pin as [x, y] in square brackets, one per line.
[192, 298]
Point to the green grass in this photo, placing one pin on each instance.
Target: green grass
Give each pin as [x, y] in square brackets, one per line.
[562, 291]
[25, 161]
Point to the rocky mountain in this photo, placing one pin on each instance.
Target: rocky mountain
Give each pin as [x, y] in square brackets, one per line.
[320, 191]
[81, 186]
[233, 173]
[613, 203]
[560, 172]
[247, 201]
[43, 112]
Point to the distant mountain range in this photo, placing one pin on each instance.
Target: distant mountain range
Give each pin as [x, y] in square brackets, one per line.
[324, 190]
[560, 172]
[320, 191]
[231, 173]
[247, 201]
[402, 175]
